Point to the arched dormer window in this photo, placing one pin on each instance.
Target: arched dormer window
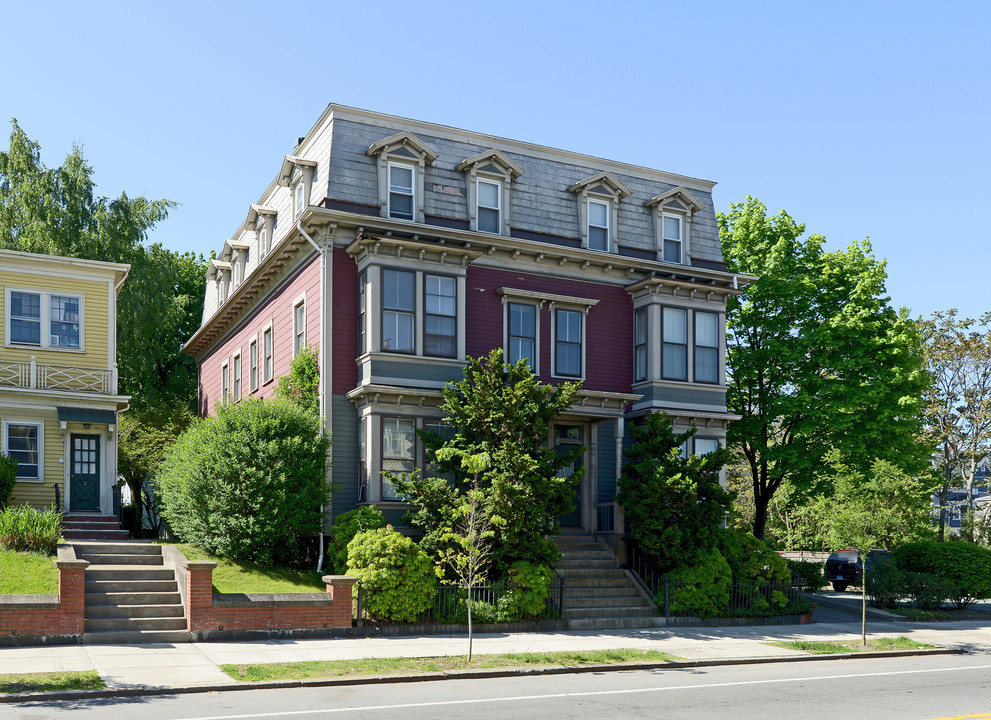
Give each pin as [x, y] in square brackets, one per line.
[598, 210]
[401, 161]
[488, 176]
[673, 211]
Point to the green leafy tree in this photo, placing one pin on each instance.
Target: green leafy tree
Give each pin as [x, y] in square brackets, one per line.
[248, 482]
[674, 505]
[505, 412]
[958, 400]
[302, 384]
[817, 358]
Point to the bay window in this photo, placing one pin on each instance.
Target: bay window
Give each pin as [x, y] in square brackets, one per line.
[398, 310]
[706, 347]
[674, 347]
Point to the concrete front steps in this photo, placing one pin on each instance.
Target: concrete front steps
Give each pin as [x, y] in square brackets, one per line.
[130, 596]
[599, 594]
[83, 527]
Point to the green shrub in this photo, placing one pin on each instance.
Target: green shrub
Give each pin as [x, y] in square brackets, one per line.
[397, 574]
[8, 473]
[346, 526]
[23, 528]
[758, 572]
[885, 583]
[812, 573]
[703, 589]
[528, 599]
[247, 483]
[929, 592]
[967, 566]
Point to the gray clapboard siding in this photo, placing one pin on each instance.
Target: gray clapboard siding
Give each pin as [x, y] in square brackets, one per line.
[345, 453]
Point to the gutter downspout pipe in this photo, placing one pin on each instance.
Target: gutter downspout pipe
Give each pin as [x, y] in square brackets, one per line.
[323, 349]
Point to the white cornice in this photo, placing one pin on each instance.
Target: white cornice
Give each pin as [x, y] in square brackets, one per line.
[80, 268]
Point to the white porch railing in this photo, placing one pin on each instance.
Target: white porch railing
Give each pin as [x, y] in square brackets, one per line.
[40, 376]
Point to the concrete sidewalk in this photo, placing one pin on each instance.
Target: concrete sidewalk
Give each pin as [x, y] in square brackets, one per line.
[192, 665]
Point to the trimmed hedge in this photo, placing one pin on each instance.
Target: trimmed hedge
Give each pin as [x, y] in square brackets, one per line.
[967, 566]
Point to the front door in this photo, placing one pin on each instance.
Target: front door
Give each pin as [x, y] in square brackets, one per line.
[567, 437]
[84, 473]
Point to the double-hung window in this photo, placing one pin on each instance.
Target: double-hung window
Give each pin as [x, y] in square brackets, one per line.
[674, 354]
[640, 345]
[489, 205]
[568, 342]
[522, 340]
[704, 446]
[398, 310]
[361, 314]
[225, 382]
[440, 332]
[24, 442]
[299, 327]
[299, 197]
[398, 451]
[671, 238]
[44, 319]
[401, 194]
[706, 347]
[267, 360]
[253, 365]
[598, 225]
[237, 376]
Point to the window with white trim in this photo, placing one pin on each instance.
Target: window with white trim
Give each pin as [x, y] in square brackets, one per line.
[267, 359]
[398, 310]
[521, 337]
[362, 314]
[598, 225]
[704, 445]
[706, 347]
[640, 345]
[398, 451]
[25, 442]
[236, 369]
[225, 382]
[568, 333]
[299, 196]
[44, 319]
[402, 191]
[263, 242]
[674, 346]
[440, 322]
[489, 194]
[299, 327]
[253, 364]
[671, 238]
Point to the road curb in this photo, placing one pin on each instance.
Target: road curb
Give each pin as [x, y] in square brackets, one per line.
[481, 673]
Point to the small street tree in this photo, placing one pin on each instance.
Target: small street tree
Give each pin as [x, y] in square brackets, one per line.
[958, 400]
[504, 412]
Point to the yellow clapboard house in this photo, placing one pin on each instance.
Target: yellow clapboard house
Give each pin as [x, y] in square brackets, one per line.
[58, 379]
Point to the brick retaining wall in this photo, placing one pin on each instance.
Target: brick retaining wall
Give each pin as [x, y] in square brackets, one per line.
[47, 619]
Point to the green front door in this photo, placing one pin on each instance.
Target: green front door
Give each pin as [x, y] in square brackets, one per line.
[84, 473]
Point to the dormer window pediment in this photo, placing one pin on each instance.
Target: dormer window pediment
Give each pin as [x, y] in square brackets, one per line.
[679, 197]
[254, 211]
[291, 165]
[404, 144]
[489, 174]
[401, 161]
[492, 162]
[598, 210]
[603, 183]
[673, 211]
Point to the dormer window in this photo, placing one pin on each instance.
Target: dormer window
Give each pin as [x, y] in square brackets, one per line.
[299, 174]
[489, 176]
[262, 220]
[598, 210]
[299, 197]
[401, 161]
[673, 211]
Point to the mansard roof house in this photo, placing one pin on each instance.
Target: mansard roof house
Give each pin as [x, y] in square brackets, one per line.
[399, 247]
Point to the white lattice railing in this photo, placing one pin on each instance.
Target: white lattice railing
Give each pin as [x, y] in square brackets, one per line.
[56, 377]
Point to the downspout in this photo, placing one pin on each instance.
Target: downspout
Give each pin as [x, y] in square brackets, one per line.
[321, 399]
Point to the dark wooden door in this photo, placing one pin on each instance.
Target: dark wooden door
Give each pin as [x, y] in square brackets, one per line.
[84, 473]
[568, 437]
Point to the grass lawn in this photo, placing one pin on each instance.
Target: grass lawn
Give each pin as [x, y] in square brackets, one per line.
[233, 576]
[395, 666]
[51, 682]
[26, 573]
[824, 647]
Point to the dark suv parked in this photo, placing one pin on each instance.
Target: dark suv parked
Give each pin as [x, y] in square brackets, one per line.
[845, 568]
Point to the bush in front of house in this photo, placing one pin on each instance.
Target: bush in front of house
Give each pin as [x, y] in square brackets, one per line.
[813, 573]
[702, 589]
[929, 592]
[248, 482]
[966, 565]
[346, 526]
[8, 475]
[885, 583]
[398, 576]
[24, 529]
[528, 597]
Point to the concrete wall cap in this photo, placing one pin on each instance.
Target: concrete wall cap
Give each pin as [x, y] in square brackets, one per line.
[199, 565]
[72, 564]
[339, 580]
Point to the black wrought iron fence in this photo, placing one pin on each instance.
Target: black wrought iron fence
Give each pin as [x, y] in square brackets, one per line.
[496, 602]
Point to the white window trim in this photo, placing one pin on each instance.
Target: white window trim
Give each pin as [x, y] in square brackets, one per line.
[225, 381]
[237, 378]
[688, 344]
[298, 195]
[681, 242]
[582, 311]
[268, 374]
[253, 381]
[46, 327]
[300, 301]
[610, 224]
[695, 441]
[506, 302]
[500, 193]
[41, 445]
[386, 150]
[718, 347]
[415, 190]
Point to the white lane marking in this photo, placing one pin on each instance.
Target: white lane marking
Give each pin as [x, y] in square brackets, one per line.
[551, 696]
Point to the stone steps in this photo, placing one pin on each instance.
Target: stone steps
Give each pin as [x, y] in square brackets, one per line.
[82, 527]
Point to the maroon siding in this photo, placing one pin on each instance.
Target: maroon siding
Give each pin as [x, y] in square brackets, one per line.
[278, 310]
[608, 329]
[345, 309]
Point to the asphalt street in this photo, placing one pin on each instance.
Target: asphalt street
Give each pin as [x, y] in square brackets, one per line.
[912, 688]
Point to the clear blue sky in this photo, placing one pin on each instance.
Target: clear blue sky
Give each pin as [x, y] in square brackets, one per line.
[858, 118]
